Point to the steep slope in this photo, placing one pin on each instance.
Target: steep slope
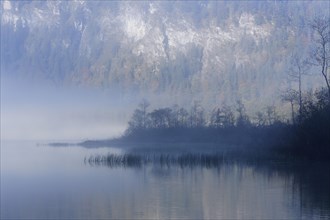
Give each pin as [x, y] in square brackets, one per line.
[213, 51]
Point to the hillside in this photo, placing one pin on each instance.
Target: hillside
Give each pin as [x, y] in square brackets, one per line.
[214, 51]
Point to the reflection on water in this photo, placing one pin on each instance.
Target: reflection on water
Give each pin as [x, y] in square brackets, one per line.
[73, 182]
[137, 160]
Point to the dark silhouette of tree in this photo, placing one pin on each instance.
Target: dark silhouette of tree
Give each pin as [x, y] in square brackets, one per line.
[322, 97]
[298, 68]
[139, 119]
[309, 135]
[160, 118]
[320, 52]
[309, 106]
[136, 121]
[291, 96]
[312, 137]
[143, 106]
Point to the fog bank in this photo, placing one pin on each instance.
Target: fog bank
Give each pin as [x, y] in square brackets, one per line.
[33, 110]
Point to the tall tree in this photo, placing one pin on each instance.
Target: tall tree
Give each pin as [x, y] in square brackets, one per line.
[290, 95]
[298, 68]
[320, 52]
[139, 119]
[160, 118]
[143, 106]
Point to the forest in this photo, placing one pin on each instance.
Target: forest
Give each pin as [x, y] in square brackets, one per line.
[167, 52]
[306, 133]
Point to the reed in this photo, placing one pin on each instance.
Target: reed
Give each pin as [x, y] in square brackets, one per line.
[137, 160]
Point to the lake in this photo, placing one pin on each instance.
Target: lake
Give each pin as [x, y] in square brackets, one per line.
[45, 182]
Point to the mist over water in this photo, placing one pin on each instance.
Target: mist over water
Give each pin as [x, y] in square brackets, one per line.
[55, 182]
[37, 110]
[165, 110]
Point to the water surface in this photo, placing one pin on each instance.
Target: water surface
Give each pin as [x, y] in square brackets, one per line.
[57, 182]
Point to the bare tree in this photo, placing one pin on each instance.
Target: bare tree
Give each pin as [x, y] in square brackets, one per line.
[160, 118]
[135, 121]
[291, 96]
[139, 119]
[143, 106]
[298, 68]
[320, 52]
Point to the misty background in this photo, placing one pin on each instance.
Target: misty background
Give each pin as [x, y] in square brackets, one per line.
[77, 69]
[30, 111]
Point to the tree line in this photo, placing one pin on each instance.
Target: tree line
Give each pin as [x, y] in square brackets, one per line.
[223, 117]
[308, 131]
[197, 117]
[303, 104]
[308, 136]
[301, 64]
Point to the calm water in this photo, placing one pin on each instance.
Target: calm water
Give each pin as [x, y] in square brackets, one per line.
[55, 182]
